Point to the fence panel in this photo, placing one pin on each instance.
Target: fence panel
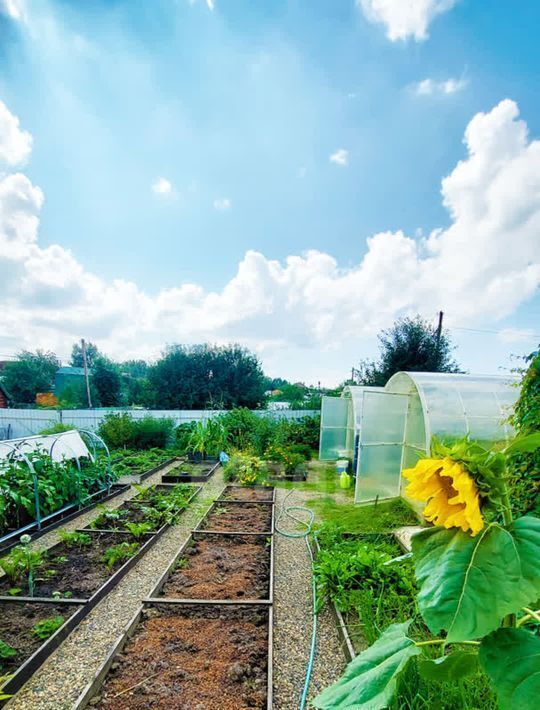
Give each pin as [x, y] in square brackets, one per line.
[16, 423]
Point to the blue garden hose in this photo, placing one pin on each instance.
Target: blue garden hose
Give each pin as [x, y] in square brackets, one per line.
[285, 512]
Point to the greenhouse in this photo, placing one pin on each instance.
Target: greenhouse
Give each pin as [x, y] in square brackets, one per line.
[381, 429]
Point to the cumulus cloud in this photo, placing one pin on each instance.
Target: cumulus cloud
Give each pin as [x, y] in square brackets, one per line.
[429, 87]
[16, 9]
[484, 264]
[15, 144]
[405, 18]
[222, 204]
[340, 157]
[162, 186]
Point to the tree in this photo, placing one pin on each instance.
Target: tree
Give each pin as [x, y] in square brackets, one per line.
[203, 376]
[411, 346]
[29, 374]
[107, 381]
[92, 353]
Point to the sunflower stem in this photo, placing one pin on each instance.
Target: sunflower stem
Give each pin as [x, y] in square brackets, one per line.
[530, 614]
[439, 642]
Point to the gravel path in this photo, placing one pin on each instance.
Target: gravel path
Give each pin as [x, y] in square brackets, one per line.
[61, 679]
[293, 620]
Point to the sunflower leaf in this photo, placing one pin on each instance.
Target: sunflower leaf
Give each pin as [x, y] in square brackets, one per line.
[455, 666]
[370, 680]
[511, 659]
[458, 573]
[524, 443]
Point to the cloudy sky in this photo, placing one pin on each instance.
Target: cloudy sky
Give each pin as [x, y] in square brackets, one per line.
[289, 174]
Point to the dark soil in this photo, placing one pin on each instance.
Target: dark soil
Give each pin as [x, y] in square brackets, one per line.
[247, 493]
[217, 567]
[82, 573]
[156, 492]
[238, 517]
[16, 623]
[188, 472]
[132, 514]
[206, 658]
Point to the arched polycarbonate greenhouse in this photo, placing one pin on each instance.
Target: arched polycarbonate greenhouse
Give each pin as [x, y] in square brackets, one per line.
[381, 429]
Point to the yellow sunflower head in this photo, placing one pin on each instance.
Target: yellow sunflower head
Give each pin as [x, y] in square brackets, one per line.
[450, 493]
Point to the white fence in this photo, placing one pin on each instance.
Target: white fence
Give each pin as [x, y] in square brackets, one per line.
[16, 423]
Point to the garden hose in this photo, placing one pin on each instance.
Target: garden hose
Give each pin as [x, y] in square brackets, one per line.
[285, 512]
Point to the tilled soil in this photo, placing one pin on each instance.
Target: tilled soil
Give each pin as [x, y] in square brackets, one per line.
[247, 493]
[217, 567]
[16, 623]
[78, 570]
[190, 658]
[238, 517]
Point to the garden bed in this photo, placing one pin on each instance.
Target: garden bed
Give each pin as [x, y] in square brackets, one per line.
[60, 517]
[238, 517]
[203, 656]
[225, 566]
[139, 477]
[191, 472]
[33, 631]
[263, 494]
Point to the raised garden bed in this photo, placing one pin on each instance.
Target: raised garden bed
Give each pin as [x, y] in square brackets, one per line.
[176, 655]
[238, 517]
[138, 477]
[225, 566]
[263, 494]
[61, 517]
[33, 631]
[191, 472]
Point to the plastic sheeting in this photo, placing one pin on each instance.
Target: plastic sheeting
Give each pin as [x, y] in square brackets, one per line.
[67, 445]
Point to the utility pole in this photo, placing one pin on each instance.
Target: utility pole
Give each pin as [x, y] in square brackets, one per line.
[85, 364]
[439, 331]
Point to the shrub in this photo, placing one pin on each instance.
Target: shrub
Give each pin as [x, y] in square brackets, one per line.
[117, 430]
[122, 431]
[58, 428]
[247, 470]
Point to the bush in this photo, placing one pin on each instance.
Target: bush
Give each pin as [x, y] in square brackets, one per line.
[121, 431]
[245, 469]
[58, 428]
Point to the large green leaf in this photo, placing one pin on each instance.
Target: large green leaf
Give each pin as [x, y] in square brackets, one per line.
[468, 584]
[523, 444]
[511, 658]
[455, 666]
[526, 533]
[370, 681]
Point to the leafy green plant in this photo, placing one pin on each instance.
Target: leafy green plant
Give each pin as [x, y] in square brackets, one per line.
[7, 651]
[45, 628]
[119, 553]
[207, 437]
[74, 538]
[138, 530]
[477, 587]
[247, 470]
[22, 562]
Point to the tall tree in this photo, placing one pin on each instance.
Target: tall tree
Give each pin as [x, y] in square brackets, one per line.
[29, 374]
[92, 353]
[107, 381]
[410, 345]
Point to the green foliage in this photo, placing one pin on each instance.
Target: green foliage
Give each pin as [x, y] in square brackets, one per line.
[92, 354]
[121, 430]
[207, 437]
[29, 374]
[204, 376]
[458, 664]
[410, 346]
[45, 628]
[21, 562]
[129, 462]
[119, 553]
[370, 680]
[452, 569]
[6, 651]
[245, 469]
[383, 517]
[75, 539]
[511, 658]
[107, 382]
[138, 530]
[58, 428]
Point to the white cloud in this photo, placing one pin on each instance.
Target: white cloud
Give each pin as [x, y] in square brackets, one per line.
[210, 4]
[162, 186]
[340, 157]
[429, 87]
[16, 9]
[222, 204]
[15, 144]
[478, 270]
[405, 18]
[517, 335]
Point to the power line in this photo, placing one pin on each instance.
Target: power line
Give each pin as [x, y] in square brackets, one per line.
[492, 332]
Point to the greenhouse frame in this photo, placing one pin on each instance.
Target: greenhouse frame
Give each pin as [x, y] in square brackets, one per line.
[383, 429]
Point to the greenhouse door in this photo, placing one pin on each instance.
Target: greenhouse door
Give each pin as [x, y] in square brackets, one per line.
[334, 421]
[380, 447]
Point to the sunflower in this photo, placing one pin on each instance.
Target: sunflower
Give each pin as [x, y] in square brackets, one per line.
[450, 492]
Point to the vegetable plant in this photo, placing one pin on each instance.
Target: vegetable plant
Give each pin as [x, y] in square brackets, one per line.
[6, 651]
[22, 562]
[47, 627]
[138, 530]
[119, 553]
[478, 586]
[247, 470]
[75, 539]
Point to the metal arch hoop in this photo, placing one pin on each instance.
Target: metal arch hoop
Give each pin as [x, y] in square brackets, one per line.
[15, 448]
[95, 438]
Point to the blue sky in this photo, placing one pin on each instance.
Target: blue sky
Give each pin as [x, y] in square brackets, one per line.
[172, 137]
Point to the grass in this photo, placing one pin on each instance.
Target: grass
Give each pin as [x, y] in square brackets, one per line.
[321, 479]
[381, 517]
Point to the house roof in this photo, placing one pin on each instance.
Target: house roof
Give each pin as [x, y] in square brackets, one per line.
[70, 371]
